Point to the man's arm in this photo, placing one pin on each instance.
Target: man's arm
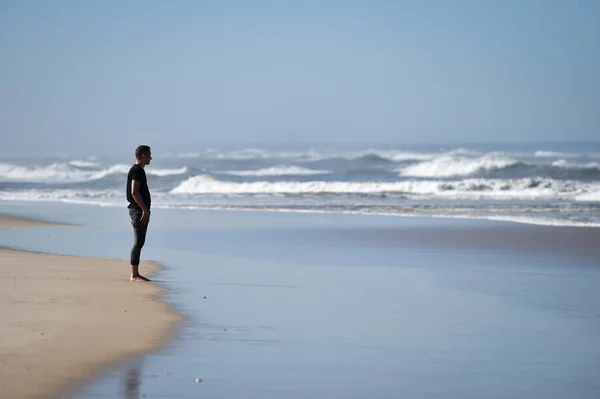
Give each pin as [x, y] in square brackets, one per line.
[135, 193]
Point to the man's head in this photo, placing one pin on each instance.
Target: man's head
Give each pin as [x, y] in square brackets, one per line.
[143, 155]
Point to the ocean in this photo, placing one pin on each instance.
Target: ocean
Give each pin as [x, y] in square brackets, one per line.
[544, 183]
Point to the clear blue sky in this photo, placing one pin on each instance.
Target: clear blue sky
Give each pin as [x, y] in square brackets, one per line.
[79, 73]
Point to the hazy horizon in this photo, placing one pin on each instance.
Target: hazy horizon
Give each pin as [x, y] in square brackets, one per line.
[112, 75]
[161, 150]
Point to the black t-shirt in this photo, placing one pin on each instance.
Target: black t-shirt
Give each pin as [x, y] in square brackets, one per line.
[138, 173]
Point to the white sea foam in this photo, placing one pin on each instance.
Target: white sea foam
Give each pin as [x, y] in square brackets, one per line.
[118, 169]
[463, 152]
[204, 184]
[562, 163]
[115, 198]
[448, 165]
[123, 169]
[165, 172]
[473, 189]
[235, 196]
[399, 156]
[280, 170]
[59, 195]
[553, 154]
[593, 196]
[468, 189]
[43, 174]
[68, 173]
[390, 155]
[82, 164]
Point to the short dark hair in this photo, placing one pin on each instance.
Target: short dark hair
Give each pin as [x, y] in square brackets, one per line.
[141, 150]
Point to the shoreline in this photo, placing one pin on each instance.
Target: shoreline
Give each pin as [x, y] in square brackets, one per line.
[66, 323]
[510, 219]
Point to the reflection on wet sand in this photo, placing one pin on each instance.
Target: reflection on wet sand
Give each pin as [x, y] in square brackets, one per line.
[133, 381]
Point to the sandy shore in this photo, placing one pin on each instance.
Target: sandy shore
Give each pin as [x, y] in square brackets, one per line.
[65, 318]
[8, 221]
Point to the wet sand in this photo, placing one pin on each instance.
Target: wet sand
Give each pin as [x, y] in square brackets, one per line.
[493, 236]
[9, 221]
[65, 318]
[312, 305]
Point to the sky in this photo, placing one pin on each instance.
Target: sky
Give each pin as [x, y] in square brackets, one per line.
[79, 74]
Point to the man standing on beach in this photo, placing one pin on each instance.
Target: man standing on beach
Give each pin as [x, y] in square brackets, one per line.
[138, 196]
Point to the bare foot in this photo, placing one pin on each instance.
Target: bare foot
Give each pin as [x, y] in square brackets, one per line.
[139, 277]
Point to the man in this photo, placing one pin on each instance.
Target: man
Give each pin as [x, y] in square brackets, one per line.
[138, 196]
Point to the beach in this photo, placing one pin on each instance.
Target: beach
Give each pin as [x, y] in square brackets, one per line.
[67, 317]
[349, 200]
[346, 200]
[284, 304]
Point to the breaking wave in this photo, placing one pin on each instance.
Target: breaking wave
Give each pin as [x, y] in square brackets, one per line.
[553, 154]
[83, 164]
[281, 170]
[69, 173]
[561, 163]
[525, 188]
[528, 186]
[447, 166]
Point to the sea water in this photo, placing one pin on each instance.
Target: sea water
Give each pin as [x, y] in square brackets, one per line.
[543, 183]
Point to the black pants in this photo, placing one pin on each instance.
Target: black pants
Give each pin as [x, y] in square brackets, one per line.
[139, 234]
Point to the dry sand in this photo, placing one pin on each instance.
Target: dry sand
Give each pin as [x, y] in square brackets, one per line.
[65, 318]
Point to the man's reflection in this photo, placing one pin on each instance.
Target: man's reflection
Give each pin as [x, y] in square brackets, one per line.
[132, 381]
